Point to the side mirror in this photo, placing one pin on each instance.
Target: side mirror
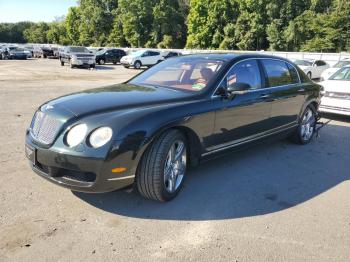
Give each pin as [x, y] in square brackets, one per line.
[237, 88]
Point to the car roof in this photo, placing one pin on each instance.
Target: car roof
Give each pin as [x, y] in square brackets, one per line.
[233, 56]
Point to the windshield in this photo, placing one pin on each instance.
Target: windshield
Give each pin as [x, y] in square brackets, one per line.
[101, 52]
[186, 73]
[303, 63]
[79, 49]
[341, 64]
[342, 74]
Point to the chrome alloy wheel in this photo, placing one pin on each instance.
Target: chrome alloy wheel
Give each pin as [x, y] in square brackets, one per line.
[175, 166]
[307, 125]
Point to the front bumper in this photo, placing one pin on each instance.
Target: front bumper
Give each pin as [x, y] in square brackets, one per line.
[18, 56]
[81, 62]
[80, 172]
[126, 63]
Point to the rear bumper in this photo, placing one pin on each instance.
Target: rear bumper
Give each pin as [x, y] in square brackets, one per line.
[82, 173]
[335, 110]
[335, 106]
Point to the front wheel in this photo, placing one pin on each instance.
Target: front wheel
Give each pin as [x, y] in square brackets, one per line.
[309, 75]
[306, 129]
[162, 169]
[101, 62]
[137, 65]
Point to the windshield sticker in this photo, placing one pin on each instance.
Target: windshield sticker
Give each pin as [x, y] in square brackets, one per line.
[198, 86]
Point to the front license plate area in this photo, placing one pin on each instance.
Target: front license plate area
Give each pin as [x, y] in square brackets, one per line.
[31, 154]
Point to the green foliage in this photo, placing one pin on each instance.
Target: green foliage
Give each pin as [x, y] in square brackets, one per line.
[13, 33]
[57, 34]
[37, 33]
[168, 28]
[291, 25]
[137, 20]
[72, 23]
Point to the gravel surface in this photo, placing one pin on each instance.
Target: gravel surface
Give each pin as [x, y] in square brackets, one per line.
[273, 202]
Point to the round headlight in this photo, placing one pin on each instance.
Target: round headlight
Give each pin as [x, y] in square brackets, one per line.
[100, 136]
[76, 135]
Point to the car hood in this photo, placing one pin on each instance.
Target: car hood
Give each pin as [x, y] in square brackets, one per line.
[336, 86]
[116, 97]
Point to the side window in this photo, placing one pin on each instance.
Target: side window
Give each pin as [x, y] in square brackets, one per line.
[293, 73]
[154, 53]
[247, 72]
[145, 54]
[277, 72]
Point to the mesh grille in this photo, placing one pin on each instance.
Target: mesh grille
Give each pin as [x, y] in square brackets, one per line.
[45, 128]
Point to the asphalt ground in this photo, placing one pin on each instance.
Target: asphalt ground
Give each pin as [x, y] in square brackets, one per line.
[273, 202]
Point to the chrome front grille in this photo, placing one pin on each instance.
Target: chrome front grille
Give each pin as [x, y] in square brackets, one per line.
[44, 128]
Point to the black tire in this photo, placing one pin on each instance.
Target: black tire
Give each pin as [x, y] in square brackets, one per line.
[298, 137]
[126, 66]
[44, 56]
[137, 64]
[309, 75]
[150, 176]
[114, 62]
[71, 65]
[92, 66]
[62, 63]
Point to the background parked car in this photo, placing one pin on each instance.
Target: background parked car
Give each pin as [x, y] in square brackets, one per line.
[109, 56]
[13, 52]
[336, 94]
[312, 68]
[167, 55]
[77, 56]
[42, 52]
[141, 58]
[330, 71]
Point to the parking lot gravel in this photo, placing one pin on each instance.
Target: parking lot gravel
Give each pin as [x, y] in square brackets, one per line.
[273, 202]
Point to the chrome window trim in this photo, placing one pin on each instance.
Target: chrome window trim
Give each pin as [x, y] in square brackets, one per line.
[251, 138]
[257, 58]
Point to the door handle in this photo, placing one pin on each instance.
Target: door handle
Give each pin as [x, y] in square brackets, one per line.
[265, 96]
[301, 90]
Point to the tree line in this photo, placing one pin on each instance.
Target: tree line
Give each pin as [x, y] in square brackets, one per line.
[289, 25]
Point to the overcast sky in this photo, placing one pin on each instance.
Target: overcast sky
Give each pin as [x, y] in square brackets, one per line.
[33, 10]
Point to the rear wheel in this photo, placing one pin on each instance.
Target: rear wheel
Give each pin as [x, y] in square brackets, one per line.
[162, 169]
[101, 62]
[306, 129]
